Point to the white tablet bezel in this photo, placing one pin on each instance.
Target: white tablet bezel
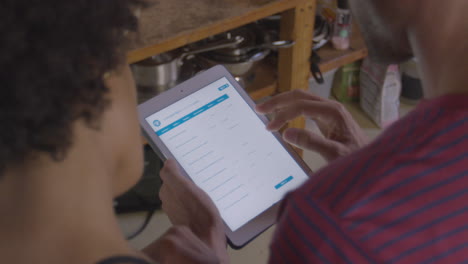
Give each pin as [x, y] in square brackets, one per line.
[262, 222]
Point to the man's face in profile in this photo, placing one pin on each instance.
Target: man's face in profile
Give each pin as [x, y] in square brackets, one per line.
[383, 24]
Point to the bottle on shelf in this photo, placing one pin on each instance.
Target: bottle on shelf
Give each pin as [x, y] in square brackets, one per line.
[342, 29]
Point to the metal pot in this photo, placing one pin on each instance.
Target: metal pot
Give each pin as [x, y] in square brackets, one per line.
[243, 64]
[240, 59]
[161, 72]
[157, 73]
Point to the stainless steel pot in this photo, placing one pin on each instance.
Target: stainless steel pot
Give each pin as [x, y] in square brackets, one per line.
[157, 73]
[161, 72]
[243, 64]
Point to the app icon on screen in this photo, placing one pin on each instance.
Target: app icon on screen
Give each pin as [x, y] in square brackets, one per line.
[156, 123]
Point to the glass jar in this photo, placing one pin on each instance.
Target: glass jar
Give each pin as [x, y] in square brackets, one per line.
[342, 28]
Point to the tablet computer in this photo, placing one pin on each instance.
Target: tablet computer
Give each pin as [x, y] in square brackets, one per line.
[209, 126]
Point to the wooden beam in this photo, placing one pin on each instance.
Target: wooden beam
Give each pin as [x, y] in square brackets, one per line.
[294, 67]
[161, 31]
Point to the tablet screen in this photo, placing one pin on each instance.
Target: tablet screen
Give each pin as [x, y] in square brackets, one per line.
[225, 148]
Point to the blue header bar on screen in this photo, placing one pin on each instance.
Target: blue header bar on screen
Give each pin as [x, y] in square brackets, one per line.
[192, 115]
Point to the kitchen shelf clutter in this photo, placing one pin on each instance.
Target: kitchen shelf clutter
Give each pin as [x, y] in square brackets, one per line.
[169, 25]
[166, 25]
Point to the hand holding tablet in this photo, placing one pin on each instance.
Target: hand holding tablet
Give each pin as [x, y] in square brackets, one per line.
[188, 205]
[208, 125]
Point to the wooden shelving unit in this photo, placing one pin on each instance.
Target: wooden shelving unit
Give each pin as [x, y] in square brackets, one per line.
[167, 25]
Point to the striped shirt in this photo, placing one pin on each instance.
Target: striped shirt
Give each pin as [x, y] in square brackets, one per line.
[401, 199]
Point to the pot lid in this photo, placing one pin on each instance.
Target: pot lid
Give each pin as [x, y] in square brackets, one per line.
[253, 55]
[249, 36]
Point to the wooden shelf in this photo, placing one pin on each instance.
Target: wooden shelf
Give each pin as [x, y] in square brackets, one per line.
[167, 25]
[332, 58]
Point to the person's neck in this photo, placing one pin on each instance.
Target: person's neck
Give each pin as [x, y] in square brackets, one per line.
[53, 211]
[439, 41]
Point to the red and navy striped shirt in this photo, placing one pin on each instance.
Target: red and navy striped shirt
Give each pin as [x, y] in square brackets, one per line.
[401, 199]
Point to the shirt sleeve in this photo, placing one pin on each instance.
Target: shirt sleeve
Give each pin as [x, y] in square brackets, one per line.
[307, 232]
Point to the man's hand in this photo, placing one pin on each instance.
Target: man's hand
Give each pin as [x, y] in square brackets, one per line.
[186, 204]
[180, 245]
[342, 135]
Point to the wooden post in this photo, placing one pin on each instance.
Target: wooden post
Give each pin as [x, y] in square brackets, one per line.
[294, 67]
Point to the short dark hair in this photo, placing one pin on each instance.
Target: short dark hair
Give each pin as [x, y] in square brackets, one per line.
[53, 55]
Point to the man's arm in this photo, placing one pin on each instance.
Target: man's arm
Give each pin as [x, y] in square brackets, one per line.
[308, 232]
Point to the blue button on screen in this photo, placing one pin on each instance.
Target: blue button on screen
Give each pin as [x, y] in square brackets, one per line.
[223, 87]
[281, 184]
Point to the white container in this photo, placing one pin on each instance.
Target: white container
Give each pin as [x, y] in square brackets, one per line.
[323, 90]
[380, 92]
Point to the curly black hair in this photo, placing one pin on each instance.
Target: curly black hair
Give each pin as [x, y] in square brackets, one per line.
[53, 55]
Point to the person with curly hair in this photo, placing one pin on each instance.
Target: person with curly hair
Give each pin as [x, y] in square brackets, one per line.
[69, 136]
